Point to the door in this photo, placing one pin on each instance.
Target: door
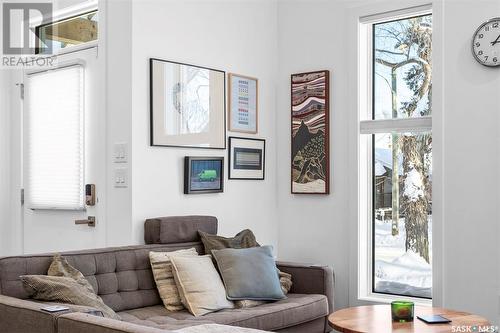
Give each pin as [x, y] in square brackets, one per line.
[58, 162]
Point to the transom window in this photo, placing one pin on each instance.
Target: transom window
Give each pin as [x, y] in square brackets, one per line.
[396, 152]
[67, 32]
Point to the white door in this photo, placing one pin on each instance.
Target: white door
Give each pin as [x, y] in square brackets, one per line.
[54, 177]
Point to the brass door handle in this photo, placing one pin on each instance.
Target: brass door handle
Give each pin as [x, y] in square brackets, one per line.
[90, 221]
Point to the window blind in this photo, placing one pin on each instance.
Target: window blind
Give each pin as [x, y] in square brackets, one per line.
[55, 139]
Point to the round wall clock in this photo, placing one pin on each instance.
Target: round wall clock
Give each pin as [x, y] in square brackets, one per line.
[486, 43]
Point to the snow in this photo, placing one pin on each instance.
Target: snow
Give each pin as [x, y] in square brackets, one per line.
[317, 185]
[413, 184]
[398, 271]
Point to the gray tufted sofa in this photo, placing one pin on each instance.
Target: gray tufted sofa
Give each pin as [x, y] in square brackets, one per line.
[122, 277]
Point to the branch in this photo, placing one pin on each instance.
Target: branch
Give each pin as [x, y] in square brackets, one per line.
[390, 52]
[392, 65]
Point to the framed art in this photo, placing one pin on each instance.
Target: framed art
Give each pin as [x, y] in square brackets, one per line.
[310, 133]
[243, 104]
[203, 174]
[247, 158]
[187, 104]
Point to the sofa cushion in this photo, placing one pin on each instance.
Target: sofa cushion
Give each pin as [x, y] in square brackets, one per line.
[164, 277]
[200, 286]
[296, 309]
[65, 290]
[249, 274]
[177, 229]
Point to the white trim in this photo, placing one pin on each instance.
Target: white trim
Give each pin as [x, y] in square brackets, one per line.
[364, 127]
[402, 125]
[397, 14]
[64, 13]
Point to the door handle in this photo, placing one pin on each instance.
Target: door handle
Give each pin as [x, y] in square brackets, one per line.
[90, 221]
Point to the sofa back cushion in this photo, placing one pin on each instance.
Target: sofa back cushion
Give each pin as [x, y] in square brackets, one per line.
[178, 229]
[121, 276]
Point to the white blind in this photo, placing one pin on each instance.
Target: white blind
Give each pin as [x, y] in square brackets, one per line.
[55, 125]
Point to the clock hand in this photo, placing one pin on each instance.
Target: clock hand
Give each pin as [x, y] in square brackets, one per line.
[496, 40]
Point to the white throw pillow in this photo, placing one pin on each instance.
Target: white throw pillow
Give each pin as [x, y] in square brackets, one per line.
[164, 278]
[200, 286]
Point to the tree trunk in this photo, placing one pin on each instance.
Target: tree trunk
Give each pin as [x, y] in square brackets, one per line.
[395, 162]
[415, 203]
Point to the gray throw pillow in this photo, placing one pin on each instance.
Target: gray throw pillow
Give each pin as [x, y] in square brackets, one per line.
[249, 274]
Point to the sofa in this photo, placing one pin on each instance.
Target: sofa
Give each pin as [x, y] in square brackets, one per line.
[122, 277]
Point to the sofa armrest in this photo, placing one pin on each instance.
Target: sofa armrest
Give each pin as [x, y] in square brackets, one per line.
[20, 316]
[310, 279]
[84, 323]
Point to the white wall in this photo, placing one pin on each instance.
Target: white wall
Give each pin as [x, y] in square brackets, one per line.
[234, 36]
[314, 228]
[466, 149]
[470, 130]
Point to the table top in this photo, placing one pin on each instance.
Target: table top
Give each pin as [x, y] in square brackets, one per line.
[377, 319]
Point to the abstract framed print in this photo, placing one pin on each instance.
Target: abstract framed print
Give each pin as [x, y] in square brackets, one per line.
[310, 160]
[203, 174]
[247, 157]
[188, 105]
[243, 103]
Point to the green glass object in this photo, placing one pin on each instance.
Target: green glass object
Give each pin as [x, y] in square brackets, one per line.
[402, 311]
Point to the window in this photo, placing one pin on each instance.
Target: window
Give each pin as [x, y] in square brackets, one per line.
[67, 32]
[396, 132]
[55, 124]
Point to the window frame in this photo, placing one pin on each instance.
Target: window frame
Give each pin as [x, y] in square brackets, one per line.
[366, 130]
[62, 19]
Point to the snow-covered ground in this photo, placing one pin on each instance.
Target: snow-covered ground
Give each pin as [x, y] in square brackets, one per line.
[398, 271]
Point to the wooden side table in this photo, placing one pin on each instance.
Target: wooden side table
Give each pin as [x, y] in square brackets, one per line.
[377, 319]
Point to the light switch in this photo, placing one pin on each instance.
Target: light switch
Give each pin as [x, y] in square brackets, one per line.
[121, 177]
[120, 154]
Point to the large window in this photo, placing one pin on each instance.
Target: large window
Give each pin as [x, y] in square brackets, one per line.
[396, 130]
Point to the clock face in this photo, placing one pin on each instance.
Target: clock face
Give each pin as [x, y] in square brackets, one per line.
[486, 43]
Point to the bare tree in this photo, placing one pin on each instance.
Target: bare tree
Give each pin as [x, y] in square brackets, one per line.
[412, 52]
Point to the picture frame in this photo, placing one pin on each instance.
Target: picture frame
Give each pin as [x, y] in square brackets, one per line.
[243, 103]
[203, 174]
[187, 105]
[247, 158]
[310, 132]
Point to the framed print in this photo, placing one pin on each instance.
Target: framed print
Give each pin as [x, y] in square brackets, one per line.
[247, 158]
[203, 174]
[310, 133]
[243, 103]
[188, 106]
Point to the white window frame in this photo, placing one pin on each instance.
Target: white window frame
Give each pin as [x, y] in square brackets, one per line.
[367, 127]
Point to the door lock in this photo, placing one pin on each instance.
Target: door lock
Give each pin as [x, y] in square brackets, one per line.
[90, 221]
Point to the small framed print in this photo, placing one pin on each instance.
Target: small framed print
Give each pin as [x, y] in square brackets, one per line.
[203, 174]
[247, 158]
[243, 104]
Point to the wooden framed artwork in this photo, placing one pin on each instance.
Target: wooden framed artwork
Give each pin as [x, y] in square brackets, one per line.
[310, 133]
[188, 106]
[243, 103]
[247, 158]
[203, 174]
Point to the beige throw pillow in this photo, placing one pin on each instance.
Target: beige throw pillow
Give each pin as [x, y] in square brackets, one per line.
[200, 286]
[65, 290]
[164, 278]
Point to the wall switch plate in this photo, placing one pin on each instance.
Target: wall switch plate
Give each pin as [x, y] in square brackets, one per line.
[120, 153]
[120, 177]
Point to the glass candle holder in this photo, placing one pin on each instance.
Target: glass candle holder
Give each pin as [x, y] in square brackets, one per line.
[402, 311]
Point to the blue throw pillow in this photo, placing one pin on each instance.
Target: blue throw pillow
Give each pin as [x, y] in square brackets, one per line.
[249, 274]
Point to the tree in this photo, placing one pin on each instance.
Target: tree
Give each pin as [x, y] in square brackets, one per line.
[411, 40]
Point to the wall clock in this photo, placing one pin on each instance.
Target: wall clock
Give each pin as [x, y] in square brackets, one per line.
[486, 43]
